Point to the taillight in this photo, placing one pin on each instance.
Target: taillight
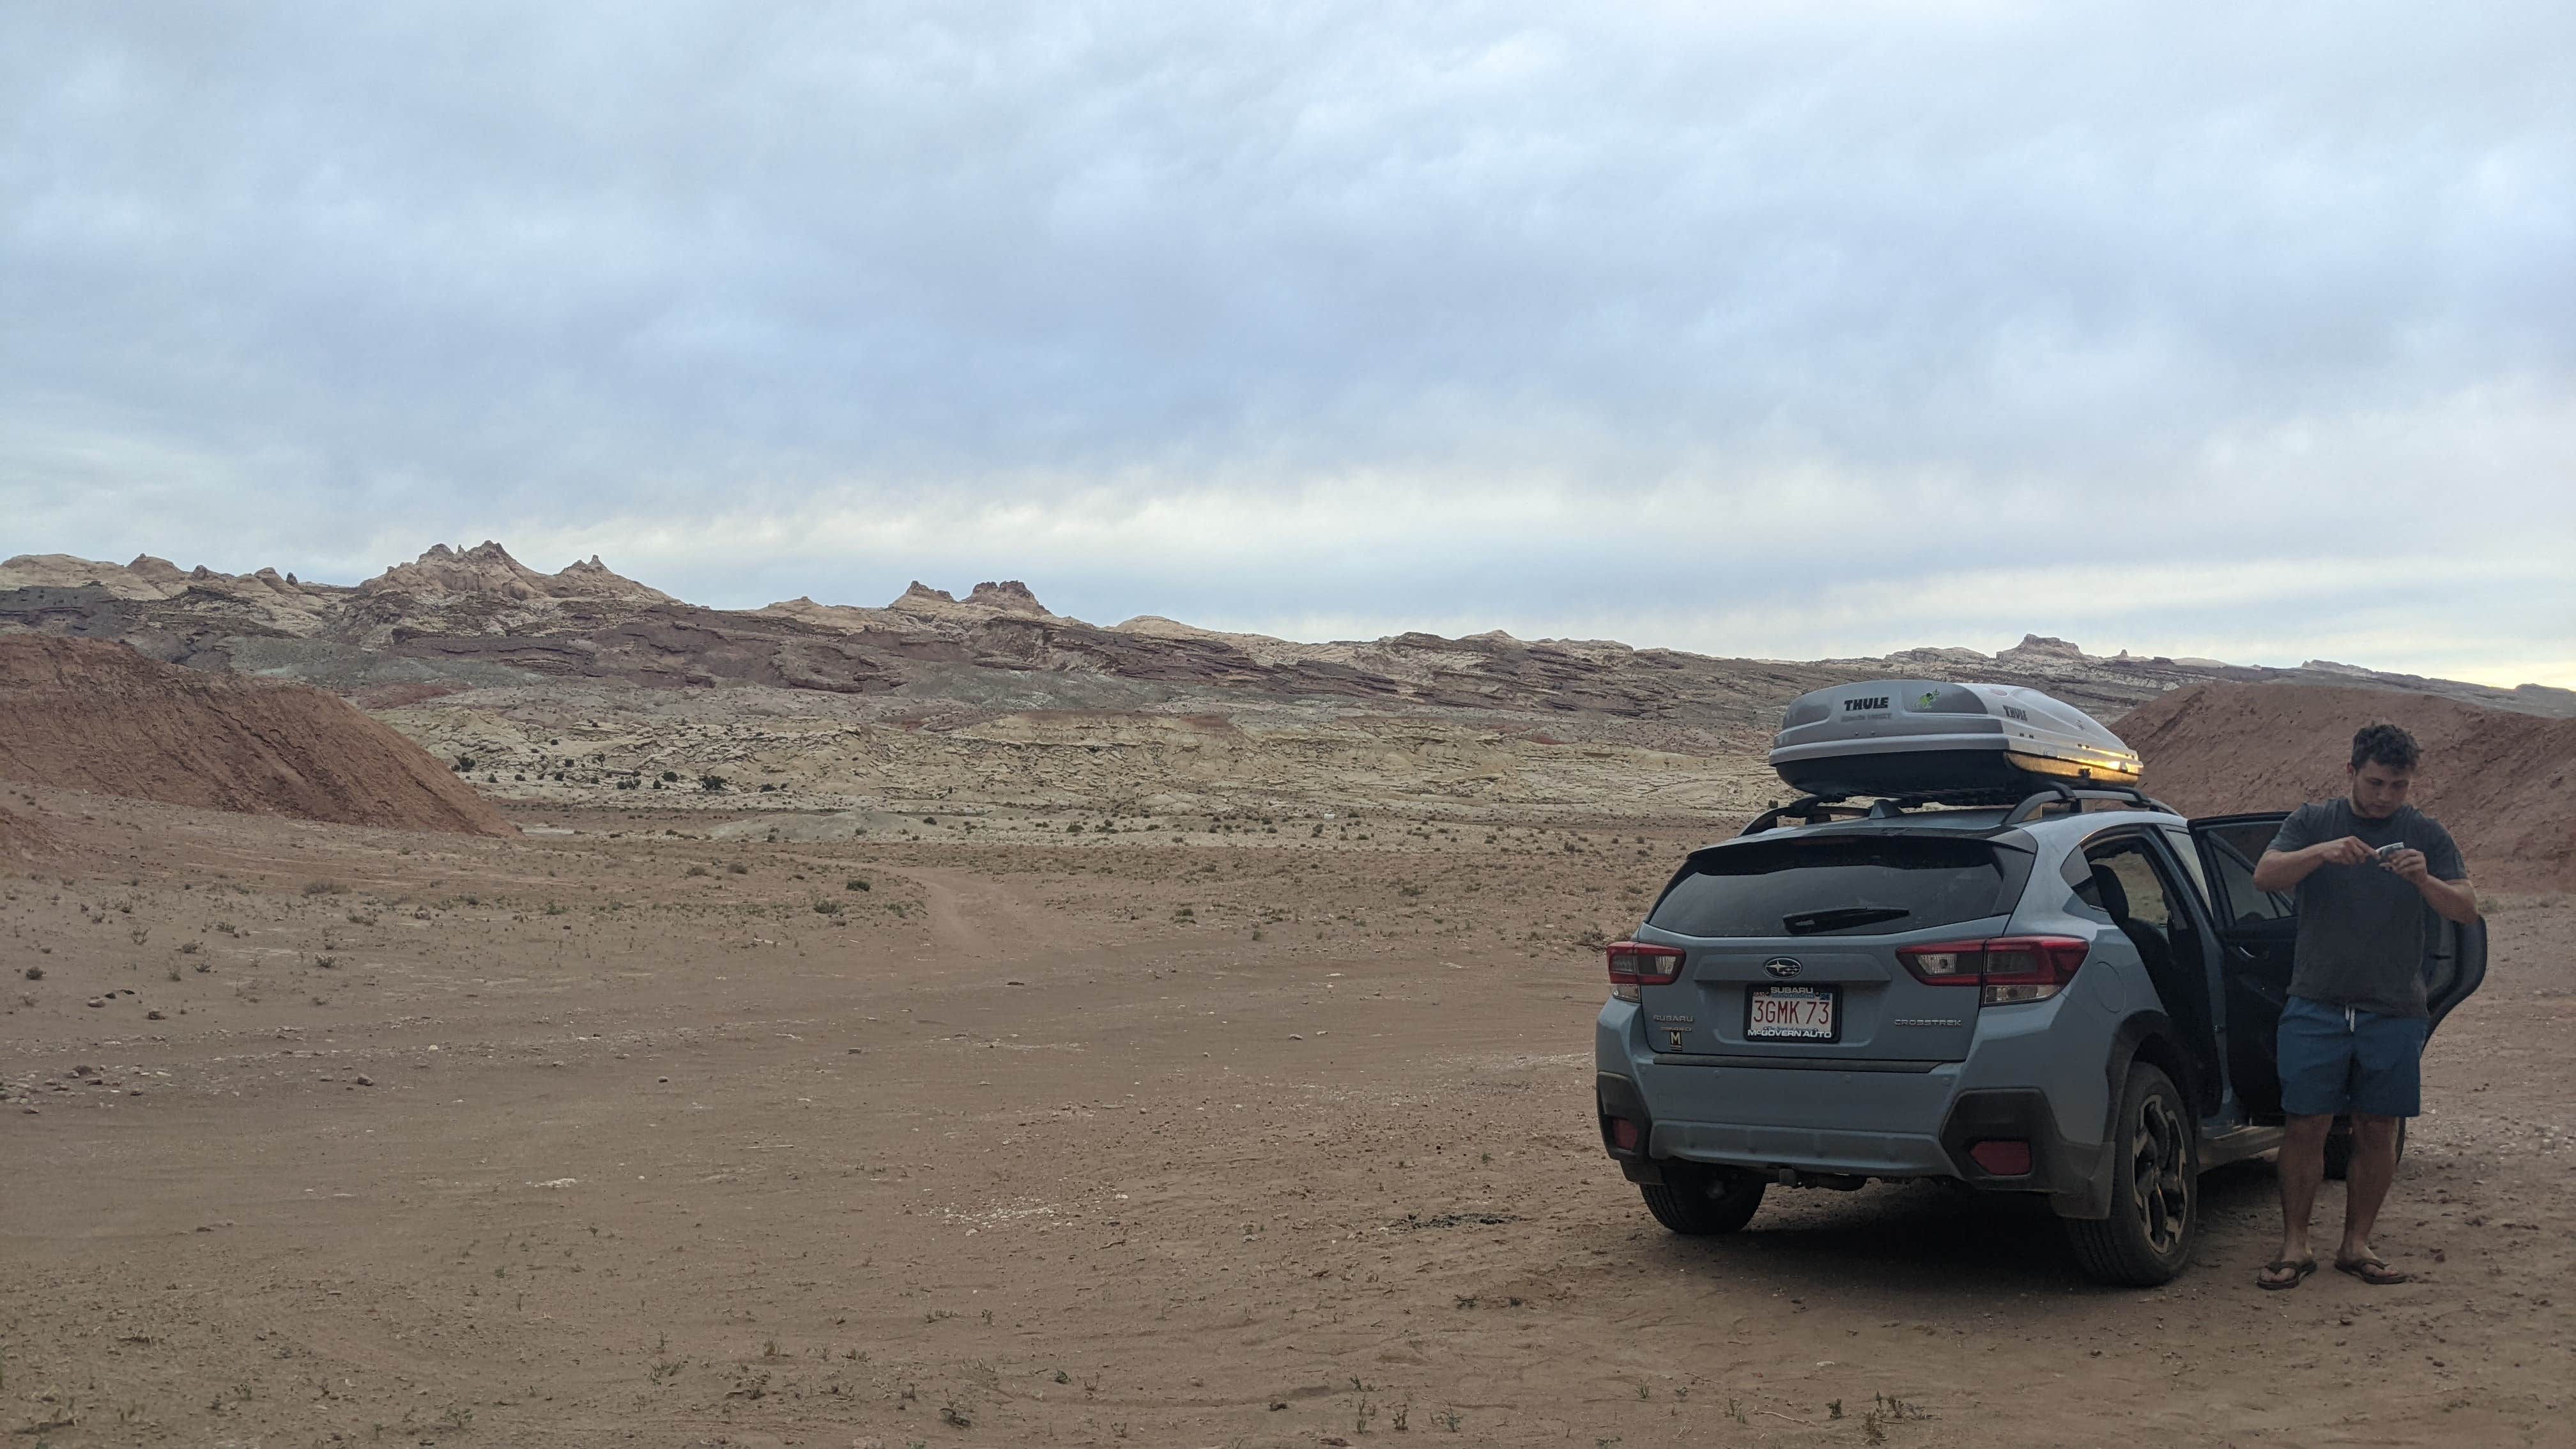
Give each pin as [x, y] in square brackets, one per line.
[2005, 969]
[1952, 963]
[2030, 968]
[1634, 964]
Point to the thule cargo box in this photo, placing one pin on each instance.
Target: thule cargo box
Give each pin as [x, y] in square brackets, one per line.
[1906, 737]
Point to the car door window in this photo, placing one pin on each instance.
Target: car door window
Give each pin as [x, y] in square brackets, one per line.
[2141, 888]
[2231, 851]
[2195, 880]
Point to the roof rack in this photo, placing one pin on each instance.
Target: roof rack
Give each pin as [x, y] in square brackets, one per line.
[2025, 808]
[2073, 800]
[1810, 808]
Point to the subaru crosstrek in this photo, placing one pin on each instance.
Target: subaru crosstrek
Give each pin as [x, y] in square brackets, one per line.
[2049, 998]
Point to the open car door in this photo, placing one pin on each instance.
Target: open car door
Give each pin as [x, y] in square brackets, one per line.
[2455, 964]
[2258, 929]
[2256, 932]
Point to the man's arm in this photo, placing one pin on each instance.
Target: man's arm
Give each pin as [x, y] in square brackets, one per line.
[2282, 870]
[2453, 900]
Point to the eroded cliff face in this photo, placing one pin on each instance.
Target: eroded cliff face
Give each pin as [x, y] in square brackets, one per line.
[582, 685]
[477, 616]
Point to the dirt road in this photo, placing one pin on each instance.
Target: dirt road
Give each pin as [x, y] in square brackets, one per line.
[1255, 1138]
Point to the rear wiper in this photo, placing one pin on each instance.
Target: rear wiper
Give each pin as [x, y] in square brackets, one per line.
[1807, 923]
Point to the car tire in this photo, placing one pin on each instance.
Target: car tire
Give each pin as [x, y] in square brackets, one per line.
[2339, 1149]
[1698, 1200]
[2155, 1189]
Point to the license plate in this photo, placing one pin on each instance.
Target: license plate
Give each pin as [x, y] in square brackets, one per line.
[1792, 1013]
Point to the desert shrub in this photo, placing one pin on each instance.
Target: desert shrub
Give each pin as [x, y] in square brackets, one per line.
[854, 883]
[325, 888]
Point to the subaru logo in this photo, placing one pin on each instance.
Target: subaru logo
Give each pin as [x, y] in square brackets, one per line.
[1783, 967]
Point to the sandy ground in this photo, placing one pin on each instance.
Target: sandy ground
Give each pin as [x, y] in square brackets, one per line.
[1207, 1139]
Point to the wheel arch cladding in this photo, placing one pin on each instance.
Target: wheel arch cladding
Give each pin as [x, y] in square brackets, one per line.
[2152, 1038]
[2145, 1036]
[1617, 1096]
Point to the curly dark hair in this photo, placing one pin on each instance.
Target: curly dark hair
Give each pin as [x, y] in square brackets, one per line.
[2385, 744]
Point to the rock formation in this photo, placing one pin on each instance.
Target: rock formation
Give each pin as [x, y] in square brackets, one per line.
[585, 686]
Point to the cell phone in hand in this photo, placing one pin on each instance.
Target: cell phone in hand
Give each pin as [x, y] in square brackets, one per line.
[2388, 852]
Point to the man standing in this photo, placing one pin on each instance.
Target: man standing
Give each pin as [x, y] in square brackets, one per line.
[2352, 1032]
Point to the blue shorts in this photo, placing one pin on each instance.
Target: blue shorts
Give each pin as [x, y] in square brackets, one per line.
[2335, 1059]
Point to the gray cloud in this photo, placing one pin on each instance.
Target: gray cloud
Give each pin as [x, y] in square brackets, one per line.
[1767, 331]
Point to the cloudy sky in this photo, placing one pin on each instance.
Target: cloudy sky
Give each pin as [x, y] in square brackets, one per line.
[1773, 329]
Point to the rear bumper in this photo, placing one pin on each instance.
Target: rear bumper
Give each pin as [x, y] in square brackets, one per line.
[1899, 1121]
[2075, 1177]
[1807, 1147]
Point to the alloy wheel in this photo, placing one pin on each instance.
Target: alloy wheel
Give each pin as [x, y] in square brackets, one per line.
[2160, 1187]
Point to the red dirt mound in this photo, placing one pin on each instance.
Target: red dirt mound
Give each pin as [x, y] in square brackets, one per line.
[84, 714]
[2503, 783]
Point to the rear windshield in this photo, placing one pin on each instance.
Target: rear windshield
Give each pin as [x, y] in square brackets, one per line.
[1839, 885]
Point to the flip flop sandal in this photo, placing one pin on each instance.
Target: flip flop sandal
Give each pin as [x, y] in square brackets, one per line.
[2297, 1268]
[2371, 1271]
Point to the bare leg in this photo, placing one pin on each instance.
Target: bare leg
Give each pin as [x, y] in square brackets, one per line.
[2302, 1169]
[2374, 1166]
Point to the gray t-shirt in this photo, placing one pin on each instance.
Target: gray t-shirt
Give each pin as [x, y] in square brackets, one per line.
[2361, 927]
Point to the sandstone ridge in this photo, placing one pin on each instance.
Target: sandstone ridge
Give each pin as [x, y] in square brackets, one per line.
[476, 616]
[488, 570]
[583, 686]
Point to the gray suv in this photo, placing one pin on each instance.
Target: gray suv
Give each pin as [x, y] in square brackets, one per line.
[2074, 997]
